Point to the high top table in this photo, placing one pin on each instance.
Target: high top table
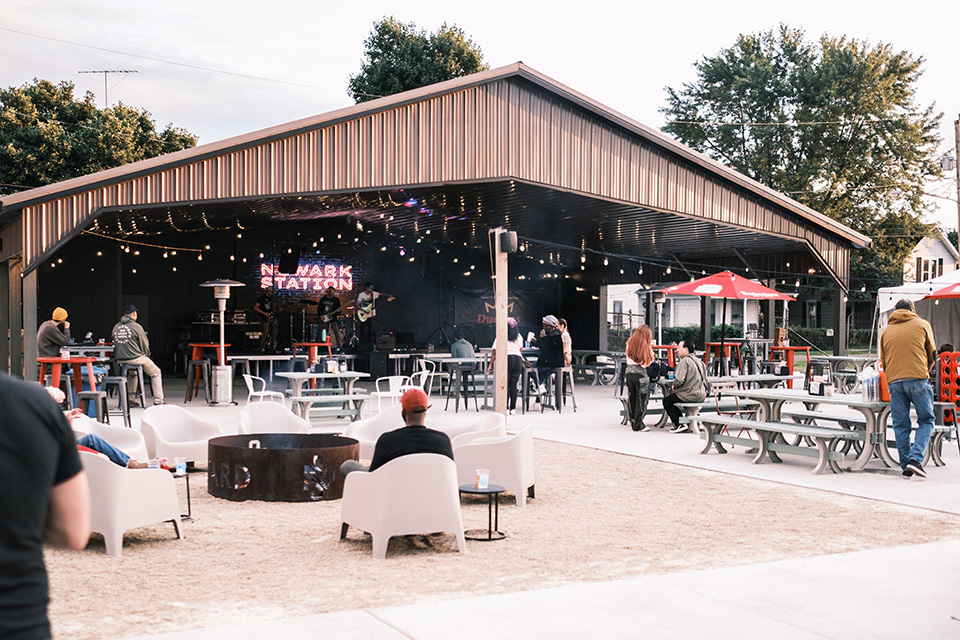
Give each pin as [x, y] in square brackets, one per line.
[790, 353]
[57, 363]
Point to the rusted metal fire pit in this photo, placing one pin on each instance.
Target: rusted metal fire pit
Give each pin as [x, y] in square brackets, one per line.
[279, 467]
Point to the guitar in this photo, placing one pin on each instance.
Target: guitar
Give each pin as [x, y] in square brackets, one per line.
[329, 318]
[367, 311]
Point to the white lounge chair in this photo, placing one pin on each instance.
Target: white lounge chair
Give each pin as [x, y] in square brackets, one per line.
[122, 499]
[130, 441]
[509, 459]
[173, 432]
[412, 494]
[270, 417]
[367, 431]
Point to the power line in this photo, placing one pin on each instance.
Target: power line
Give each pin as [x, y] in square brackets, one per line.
[719, 123]
[171, 62]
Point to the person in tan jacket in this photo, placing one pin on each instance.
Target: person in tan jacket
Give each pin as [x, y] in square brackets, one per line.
[907, 353]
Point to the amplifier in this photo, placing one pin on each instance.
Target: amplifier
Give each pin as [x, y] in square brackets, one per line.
[386, 340]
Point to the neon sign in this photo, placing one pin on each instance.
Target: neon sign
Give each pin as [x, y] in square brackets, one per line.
[309, 277]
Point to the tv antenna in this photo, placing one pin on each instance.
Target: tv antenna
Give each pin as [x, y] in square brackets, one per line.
[106, 102]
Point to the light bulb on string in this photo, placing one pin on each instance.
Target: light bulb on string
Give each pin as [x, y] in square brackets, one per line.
[606, 262]
[669, 270]
[199, 256]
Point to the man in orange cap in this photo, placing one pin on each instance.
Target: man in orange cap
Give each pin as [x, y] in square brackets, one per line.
[53, 334]
[413, 437]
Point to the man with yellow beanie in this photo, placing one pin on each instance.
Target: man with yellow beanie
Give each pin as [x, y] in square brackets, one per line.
[53, 334]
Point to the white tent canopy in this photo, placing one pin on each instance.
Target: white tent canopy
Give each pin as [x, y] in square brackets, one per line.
[943, 315]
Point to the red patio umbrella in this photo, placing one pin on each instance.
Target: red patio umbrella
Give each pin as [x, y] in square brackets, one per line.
[950, 291]
[726, 284]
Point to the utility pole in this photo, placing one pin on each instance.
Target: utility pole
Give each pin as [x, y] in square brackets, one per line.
[956, 151]
[106, 103]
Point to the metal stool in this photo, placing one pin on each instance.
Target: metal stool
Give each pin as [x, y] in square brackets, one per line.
[125, 370]
[65, 386]
[528, 375]
[458, 376]
[240, 362]
[123, 408]
[194, 380]
[100, 400]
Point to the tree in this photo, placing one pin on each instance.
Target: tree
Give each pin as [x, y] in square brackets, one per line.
[832, 124]
[399, 57]
[47, 135]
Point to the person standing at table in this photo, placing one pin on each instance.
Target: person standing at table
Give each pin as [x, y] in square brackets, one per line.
[45, 499]
[550, 345]
[268, 321]
[53, 334]
[907, 353]
[131, 346]
[329, 316]
[689, 383]
[461, 348]
[514, 352]
[639, 357]
[567, 341]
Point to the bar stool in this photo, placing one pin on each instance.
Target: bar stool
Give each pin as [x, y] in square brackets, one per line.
[99, 398]
[240, 362]
[193, 379]
[528, 375]
[125, 370]
[560, 375]
[458, 376]
[123, 407]
[65, 386]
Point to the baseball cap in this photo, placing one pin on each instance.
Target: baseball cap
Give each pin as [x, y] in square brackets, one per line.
[414, 401]
[130, 309]
[59, 314]
[551, 320]
[511, 322]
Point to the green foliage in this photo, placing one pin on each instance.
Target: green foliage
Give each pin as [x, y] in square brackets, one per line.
[952, 237]
[818, 338]
[400, 57]
[47, 135]
[617, 341]
[853, 144]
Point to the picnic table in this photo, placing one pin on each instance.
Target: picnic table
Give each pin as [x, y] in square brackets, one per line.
[325, 401]
[874, 414]
[845, 379]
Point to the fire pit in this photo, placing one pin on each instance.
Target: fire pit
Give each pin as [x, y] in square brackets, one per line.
[279, 467]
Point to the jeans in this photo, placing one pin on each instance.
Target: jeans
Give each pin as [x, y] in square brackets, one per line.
[920, 394]
[514, 369]
[670, 406]
[95, 442]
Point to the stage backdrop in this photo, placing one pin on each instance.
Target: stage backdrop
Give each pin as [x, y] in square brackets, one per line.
[475, 312]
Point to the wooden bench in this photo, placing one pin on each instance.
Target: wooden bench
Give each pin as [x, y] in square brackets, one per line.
[825, 439]
[349, 405]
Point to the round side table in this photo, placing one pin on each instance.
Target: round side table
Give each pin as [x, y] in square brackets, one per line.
[492, 492]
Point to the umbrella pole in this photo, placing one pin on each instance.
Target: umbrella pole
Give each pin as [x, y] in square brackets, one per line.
[723, 340]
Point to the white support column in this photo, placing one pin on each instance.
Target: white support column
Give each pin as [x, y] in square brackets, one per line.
[501, 292]
[30, 324]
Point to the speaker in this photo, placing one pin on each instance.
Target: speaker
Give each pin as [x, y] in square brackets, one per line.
[385, 340]
[289, 260]
[379, 364]
[508, 242]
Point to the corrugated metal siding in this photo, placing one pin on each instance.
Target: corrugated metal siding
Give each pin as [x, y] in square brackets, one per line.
[503, 129]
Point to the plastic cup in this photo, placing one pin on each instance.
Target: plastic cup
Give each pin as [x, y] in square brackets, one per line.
[483, 478]
[181, 466]
[154, 463]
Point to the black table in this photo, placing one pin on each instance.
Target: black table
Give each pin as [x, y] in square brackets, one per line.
[492, 492]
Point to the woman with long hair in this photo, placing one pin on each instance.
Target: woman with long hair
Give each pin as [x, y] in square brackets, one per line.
[639, 357]
[514, 362]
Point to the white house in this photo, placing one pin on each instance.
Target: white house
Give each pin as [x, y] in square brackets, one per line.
[933, 257]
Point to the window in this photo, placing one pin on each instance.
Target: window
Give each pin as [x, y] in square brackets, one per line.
[617, 313]
[928, 268]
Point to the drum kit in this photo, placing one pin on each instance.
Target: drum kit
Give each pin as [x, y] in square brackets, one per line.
[309, 321]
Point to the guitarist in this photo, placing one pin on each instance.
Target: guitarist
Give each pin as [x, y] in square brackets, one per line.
[366, 310]
[329, 313]
[268, 320]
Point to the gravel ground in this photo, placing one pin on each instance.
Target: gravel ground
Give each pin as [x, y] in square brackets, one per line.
[597, 516]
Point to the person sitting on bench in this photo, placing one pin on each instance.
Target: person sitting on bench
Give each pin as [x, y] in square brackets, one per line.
[689, 384]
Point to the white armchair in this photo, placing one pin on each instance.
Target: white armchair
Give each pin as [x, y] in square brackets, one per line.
[509, 459]
[412, 494]
[261, 393]
[122, 499]
[171, 432]
[130, 441]
[486, 422]
[369, 430]
[270, 417]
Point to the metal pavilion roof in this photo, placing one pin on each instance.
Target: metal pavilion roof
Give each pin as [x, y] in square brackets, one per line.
[504, 147]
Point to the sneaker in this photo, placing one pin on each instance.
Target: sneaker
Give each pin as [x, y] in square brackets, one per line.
[918, 471]
[135, 464]
[681, 429]
[512, 412]
[542, 389]
[133, 402]
[643, 428]
[907, 474]
[156, 402]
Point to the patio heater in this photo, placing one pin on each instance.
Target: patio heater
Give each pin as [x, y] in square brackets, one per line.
[658, 299]
[222, 382]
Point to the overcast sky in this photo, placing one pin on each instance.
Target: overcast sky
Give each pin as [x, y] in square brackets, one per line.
[290, 59]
